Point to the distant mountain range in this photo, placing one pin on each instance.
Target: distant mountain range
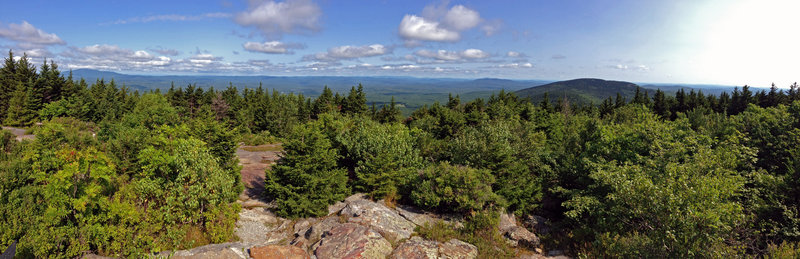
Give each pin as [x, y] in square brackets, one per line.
[411, 92]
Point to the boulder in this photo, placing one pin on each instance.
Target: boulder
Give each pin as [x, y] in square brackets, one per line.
[520, 236]
[414, 215]
[304, 237]
[516, 235]
[416, 247]
[383, 219]
[507, 221]
[352, 241]
[336, 207]
[538, 224]
[457, 249]
[278, 252]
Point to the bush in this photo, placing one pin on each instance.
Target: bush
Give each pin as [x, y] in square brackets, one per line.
[660, 189]
[382, 156]
[257, 139]
[450, 188]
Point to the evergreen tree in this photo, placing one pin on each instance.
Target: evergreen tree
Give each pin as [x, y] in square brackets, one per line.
[324, 103]
[355, 102]
[453, 102]
[619, 102]
[660, 104]
[16, 106]
[8, 83]
[545, 103]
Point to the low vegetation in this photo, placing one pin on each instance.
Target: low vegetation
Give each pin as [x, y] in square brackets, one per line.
[123, 173]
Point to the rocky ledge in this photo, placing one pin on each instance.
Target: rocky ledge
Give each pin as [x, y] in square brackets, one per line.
[354, 228]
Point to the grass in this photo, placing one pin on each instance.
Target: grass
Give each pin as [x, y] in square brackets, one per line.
[262, 148]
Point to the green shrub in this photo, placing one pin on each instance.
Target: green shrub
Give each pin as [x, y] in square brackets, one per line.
[257, 139]
[382, 156]
[452, 188]
[307, 178]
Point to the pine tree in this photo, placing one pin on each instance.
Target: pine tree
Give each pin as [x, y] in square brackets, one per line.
[17, 114]
[619, 102]
[545, 103]
[8, 83]
[660, 104]
[324, 103]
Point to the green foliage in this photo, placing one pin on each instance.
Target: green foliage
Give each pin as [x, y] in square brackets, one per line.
[453, 188]
[382, 156]
[480, 230]
[307, 178]
[257, 139]
[660, 189]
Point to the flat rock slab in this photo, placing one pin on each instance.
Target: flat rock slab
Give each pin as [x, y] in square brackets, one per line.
[222, 251]
[416, 247]
[278, 252]
[256, 225]
[376, 215]
[352, 241]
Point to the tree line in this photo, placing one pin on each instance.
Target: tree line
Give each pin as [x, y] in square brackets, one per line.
[122, 173]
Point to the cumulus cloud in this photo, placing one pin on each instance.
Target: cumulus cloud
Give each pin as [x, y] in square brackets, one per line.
[112, 57]
[413, 27]
[453, 56]
[349, 52]
[516, 65]
[272, 47]
[170, 17]
[26, 33]
[461, 18]
[273, 18]
[438, 23]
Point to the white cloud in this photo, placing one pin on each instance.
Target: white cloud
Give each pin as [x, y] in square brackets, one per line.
[437, 23]
[349, 52]
[275, 18]
[461, 18]
[516, 65]
[112, 57]
[357, 51]
[514, 54]
[26, 33]
[453, 56]
[272, 47]
[417, 28]
[474, 54]
[170, 17]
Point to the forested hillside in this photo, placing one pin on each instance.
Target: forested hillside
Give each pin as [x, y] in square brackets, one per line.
[125, 173]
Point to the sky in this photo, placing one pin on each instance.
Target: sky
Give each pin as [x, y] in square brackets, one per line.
[731, 42]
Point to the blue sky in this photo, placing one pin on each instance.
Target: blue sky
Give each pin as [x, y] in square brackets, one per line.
[679, 41]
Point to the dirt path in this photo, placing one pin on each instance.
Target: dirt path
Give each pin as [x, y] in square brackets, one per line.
[254, 161]
[20, 133]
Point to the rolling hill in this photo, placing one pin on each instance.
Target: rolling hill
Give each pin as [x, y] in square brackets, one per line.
[584, 91]
[412, 92]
